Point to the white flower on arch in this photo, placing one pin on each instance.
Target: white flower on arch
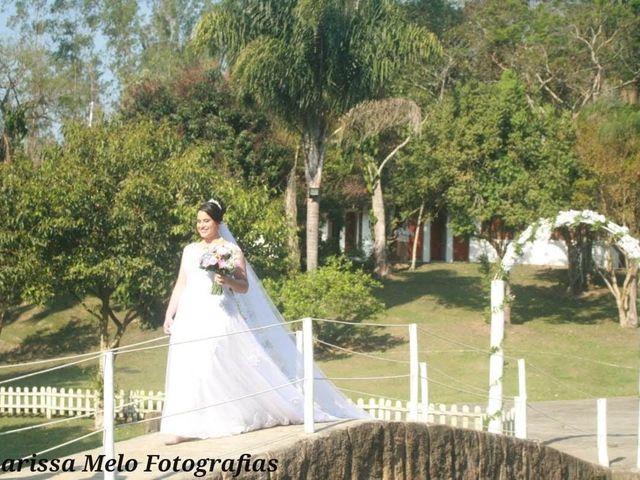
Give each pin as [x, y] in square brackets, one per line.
[570, 218]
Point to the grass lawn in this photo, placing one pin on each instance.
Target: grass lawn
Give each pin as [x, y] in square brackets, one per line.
[573, 348]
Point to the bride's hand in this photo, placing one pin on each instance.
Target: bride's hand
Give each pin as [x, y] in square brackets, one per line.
[168, 322]
[221, 279]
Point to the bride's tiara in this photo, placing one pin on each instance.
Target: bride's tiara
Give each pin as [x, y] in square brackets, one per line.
[215, 202]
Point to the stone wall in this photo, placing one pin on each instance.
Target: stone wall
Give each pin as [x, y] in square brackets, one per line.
[399, 450]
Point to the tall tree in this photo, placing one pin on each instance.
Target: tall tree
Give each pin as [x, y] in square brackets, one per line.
[567, 53]
[380, 129]
[14, 243]
[309, 62]
[508, 165]
[52, 68]
[608, 144]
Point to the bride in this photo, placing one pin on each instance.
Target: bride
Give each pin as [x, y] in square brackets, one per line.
[220, 382]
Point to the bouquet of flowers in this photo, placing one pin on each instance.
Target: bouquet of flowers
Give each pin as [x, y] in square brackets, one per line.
[218, 259]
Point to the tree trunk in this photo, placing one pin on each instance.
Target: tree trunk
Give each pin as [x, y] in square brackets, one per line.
[104, 345]
[313, 143]
[574, 269]
[379, 232]
[291, 210]
[414, 253]
[3, 316]
[586, 259]
[626, 296]
[508, 301]
[313, 227]
[579, 258]
[628, 306]
[7, 148]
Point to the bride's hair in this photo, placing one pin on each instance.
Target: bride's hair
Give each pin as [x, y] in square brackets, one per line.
[214, 208]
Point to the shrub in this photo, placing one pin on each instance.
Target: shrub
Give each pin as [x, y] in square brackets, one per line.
[334, 291]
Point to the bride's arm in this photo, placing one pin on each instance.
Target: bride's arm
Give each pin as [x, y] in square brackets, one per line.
[175, 297]
[238, 283]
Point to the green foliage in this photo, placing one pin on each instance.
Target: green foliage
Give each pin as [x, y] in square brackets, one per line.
[306, 60]
[256, 219]
[334, 291]
[501, 159]
[101, 215]
[608, 144]
[309, 62]
[13, 240]
[108, 213]
[567, 53]
[199, 103]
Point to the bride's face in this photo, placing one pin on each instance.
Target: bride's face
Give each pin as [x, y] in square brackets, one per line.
[207, 227]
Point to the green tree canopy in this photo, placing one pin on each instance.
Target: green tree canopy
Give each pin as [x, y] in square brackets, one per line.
[109, 211]
[310, 61]
[504, 160]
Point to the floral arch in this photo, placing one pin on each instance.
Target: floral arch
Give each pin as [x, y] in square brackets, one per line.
[626, 295]
[571, 218]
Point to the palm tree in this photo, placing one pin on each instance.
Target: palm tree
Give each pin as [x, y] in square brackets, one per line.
[368, 121]
[310, 61]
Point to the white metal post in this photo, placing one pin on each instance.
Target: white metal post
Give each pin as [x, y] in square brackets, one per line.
[108, 412]
[307, 334]
[603, 454]
[496, 361]
[424, 389]
[299, 357]
[520, 406]
[521, 414]
[413, 372]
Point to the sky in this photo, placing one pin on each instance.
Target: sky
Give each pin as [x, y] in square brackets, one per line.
[7, 9]
[5, 12]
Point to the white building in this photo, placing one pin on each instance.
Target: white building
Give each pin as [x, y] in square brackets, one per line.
[437, 243]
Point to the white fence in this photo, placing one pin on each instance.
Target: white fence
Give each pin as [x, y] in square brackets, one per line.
[136, 404]
[464, 416]
[51, 401]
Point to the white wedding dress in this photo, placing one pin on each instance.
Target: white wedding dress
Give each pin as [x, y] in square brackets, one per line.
[213, 385]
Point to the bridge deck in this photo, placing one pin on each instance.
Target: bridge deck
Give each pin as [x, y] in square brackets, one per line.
[141, 448]
[577, 437]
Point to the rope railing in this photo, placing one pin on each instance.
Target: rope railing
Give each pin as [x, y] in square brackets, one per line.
[455, 342]
[560, 422]
[381, 377]
[451, 350]
[577, 357]
[77, 439]
[361, 324]
[27, 375]
[451, 377]
[255, 394]
[560, 382]
[367, 355]
[458, 389]
[203, 339]
[46, 424]
[452, 383]
[360, 392]
[123, 347]
[63, 420]
[48, 360]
